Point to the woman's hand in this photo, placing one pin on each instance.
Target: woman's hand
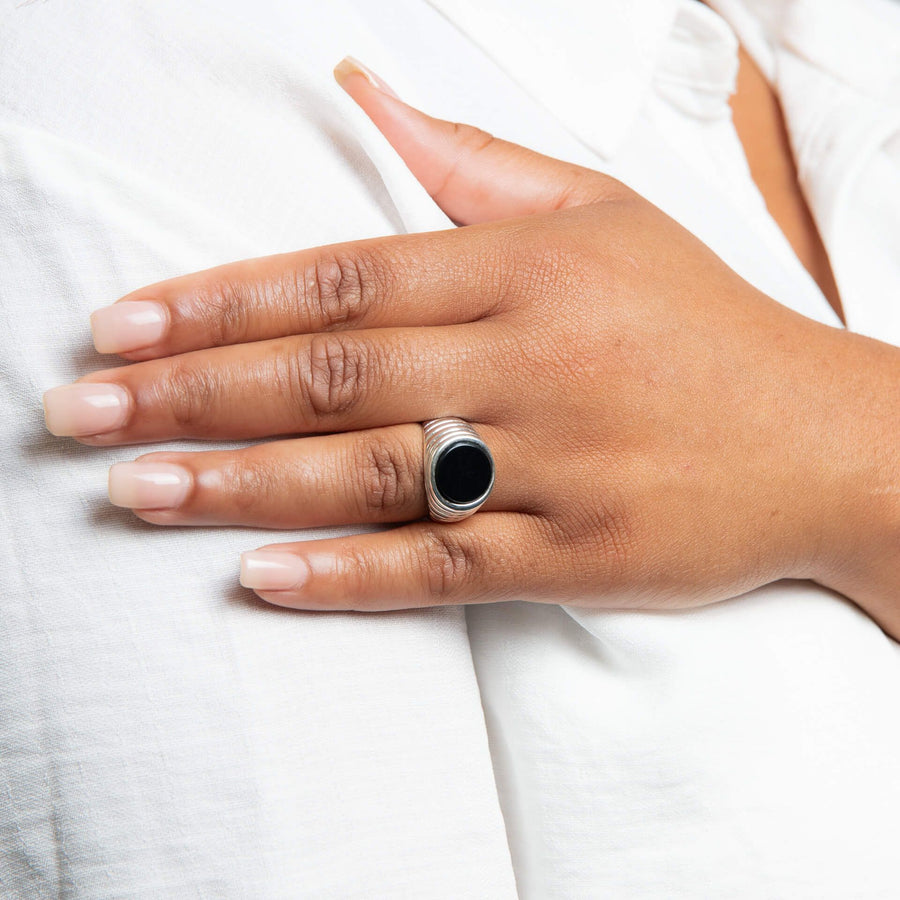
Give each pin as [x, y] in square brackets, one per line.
[664, 434]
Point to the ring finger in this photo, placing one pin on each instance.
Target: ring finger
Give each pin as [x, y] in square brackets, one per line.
[373, 476]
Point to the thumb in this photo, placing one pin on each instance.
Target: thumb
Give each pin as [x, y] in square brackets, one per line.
[471, 175]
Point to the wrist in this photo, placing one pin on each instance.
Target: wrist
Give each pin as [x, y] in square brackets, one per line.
[860, 556]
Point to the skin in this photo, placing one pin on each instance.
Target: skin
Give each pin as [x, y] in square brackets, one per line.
[665, 435]
[758, 120]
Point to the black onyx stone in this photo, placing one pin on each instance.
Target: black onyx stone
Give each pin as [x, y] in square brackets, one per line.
[463, 473]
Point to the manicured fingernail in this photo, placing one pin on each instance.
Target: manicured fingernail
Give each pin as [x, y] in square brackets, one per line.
[85, 409]
[148, 485]
[349, 66]
[271, 570]
[129, 325]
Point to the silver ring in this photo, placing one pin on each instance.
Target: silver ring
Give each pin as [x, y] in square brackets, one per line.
[459, 469]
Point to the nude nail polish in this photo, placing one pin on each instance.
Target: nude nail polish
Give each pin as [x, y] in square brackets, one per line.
[129, 325]
[80, 410]
[272, 570]
[148, 485]
[350, 66]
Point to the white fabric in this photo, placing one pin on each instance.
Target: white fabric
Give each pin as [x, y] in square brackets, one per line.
[748, 749]
[164, 735]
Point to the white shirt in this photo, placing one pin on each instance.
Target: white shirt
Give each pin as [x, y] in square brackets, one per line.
[746, 749]
[165, 736]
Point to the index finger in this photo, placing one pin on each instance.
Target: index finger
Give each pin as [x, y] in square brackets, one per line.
[437, 278]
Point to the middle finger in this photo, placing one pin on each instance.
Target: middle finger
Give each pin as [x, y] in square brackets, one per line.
[303, 384]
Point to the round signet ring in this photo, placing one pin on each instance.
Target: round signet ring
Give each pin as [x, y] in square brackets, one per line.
[459, 469]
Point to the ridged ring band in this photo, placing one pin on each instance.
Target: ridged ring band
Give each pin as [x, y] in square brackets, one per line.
[459, 469]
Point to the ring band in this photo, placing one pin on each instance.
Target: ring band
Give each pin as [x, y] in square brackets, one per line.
[459, 469]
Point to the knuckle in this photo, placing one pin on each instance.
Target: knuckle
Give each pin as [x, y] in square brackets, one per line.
[543, 270]
[339, 289]
[450, 563]
[247, 485]
[189, 394]
[470, 138]
[288, 377]
[604, 533]
[391, 478]
[584, 187]
[358, 571]
[253, 483]
[549, 268]
[339, 373]
[614, 540]
[470, 141]
[612, 530]
[223, 310]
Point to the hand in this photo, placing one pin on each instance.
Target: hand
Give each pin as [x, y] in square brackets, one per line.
[665, 435]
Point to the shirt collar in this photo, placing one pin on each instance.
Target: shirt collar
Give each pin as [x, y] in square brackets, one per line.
[698, 65]
[857, 42]
[590, 64]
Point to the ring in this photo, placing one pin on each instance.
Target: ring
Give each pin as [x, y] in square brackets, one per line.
[459, 469]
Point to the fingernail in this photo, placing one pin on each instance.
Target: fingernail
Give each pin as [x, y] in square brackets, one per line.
[148, 485]
[129, 325]
[85, 409]
[349, 66]
[271, 570]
